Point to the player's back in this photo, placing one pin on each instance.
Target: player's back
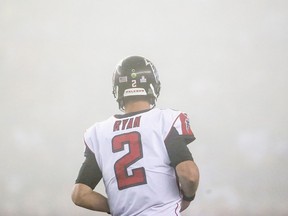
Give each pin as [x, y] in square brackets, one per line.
[135, 165]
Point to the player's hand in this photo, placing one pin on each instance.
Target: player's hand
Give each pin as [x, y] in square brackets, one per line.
[184, 205]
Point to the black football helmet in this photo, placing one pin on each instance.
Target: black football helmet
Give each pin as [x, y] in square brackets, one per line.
[135, 76]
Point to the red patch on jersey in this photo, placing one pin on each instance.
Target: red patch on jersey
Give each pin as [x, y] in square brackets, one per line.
[185, 124]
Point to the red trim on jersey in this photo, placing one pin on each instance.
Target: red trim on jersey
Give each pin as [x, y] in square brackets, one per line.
[185, 124]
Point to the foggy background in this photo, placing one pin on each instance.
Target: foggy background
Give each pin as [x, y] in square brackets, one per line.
[223, 62]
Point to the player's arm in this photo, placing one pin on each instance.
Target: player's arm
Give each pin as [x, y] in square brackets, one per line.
[188, 174]
[182, 160]
[83, 193]
[85, 197]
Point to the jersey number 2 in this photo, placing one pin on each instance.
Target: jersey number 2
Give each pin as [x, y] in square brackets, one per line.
[138, 176]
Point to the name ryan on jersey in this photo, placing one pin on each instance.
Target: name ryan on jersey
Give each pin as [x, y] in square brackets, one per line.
[127, 123]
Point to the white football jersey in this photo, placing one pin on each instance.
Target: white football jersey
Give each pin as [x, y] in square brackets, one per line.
[135, 165]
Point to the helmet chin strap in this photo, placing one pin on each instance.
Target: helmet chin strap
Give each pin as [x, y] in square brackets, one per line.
[121, 105]
[153, 102]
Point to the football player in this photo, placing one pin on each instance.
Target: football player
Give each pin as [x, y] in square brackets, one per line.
[142, 154]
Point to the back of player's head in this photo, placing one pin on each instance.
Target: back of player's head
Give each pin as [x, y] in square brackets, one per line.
[135, 76]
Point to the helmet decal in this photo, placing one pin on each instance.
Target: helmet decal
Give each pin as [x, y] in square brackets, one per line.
[122, 79]
[143, 79]
[133, 74]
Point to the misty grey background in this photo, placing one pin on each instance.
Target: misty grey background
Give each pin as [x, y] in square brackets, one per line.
[223, 62]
